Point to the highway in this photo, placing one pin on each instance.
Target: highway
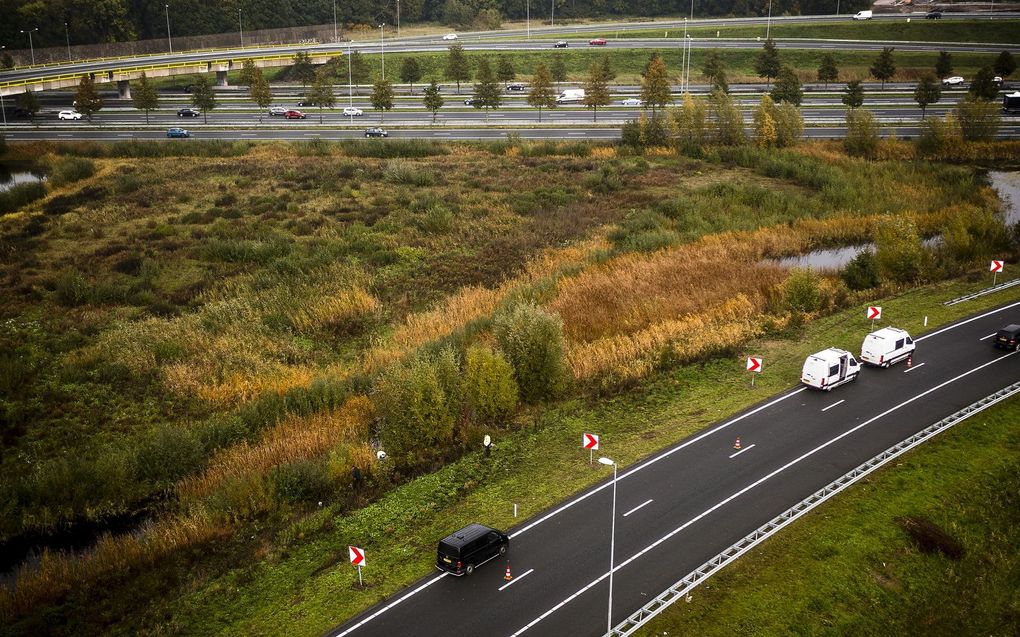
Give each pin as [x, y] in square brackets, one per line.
[680, 507]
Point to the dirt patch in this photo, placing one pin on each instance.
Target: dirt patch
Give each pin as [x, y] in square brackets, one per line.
[930, 537]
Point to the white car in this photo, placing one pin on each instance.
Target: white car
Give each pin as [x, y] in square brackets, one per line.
[955, 80]
[450, 36]
[631, 101]
[353, 111]
[278, 111]
[70, 114]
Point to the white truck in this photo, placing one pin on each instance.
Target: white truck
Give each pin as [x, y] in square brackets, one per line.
[863, 15]
[829, 368]
[571, 96]
[886, 347]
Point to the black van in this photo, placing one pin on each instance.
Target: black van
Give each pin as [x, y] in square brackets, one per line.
[462, 551]
[1008, 337]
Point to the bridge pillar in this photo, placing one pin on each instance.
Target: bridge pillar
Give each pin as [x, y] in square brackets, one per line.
[124, 89]
[221, 78]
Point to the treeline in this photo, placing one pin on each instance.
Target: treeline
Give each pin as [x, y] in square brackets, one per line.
[100, 21]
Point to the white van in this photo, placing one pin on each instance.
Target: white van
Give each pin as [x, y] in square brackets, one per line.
[886, 347]
[863, 15]
[829, 368]
[571, 96]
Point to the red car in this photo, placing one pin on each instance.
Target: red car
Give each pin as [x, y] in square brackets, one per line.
[597, 42]
[295, 114]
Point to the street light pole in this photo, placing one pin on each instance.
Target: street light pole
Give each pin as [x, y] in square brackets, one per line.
[552, 14]
[398, 19]
[350, 76]
[612, 547]
[31, 47]
[240, 28]
[692, 9]
[67, 36]
[683, 61]
[768, 23]
[528, 9]
[382, 50]
[168, 39]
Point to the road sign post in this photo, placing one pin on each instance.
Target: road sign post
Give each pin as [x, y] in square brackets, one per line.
[874, 313]
[754, 364]
[357, 556]
[996, 267]
[591, 443]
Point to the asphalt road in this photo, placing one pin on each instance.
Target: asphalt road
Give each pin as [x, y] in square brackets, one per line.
[680, 507]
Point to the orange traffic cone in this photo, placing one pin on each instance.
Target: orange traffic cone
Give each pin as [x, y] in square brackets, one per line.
[910, 360]
[736, 445]
[508, 576]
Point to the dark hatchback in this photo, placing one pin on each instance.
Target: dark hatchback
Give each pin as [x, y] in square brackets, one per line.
[461, 552]
[1008, 337]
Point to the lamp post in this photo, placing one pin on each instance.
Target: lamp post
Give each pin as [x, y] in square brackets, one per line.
[31, 47]
[350, 78]
[768, 23]
[683, 61]
[612, 546]
[168, 39]
[398, 19]
[67, 37]
[334, 20]
[692, 9]
[528, 9]
[240, 28]
[552, 14]
[382, 50]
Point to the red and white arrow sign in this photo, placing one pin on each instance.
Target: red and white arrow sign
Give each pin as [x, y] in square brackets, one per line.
[754, 364]
[996, 266]
[590, 441]
[874, 312]
[357, 555]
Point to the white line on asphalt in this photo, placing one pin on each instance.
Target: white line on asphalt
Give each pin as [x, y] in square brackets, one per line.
[646, 502]
[391, 605]
[985, 338]
[577, 133]
[125, 135]
[970, 320]
[60, 135]
[516, 579]
[834, 404]
[910, 369]
[443, 134]
[748, 488]
[741, 451]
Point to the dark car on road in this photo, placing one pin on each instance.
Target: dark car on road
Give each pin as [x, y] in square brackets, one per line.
[516, 86]
[562, 44]
[375, 131]
[470, 101]
[1008, 337]
[461, 552]
[188, 112]
[934, 14]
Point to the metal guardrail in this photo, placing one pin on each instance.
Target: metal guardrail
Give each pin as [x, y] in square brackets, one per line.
[974, 295]
[683, 587]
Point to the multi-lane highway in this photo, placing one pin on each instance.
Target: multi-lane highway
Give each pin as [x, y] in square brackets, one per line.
[686, 504]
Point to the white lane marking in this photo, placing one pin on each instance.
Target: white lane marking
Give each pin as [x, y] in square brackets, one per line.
[985, 338]
[645, 503]
[60, 135]
[910, 369]
[517, 579]
[741, 451]
[838, 402]
[970, 320]
[125, 135]
[748, 488]
[577, 133]
[443, 134]
[391, 605]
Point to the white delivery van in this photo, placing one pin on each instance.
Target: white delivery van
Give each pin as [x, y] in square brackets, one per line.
[829, 368]
[571, 96]
[886, 347]
[863, 15]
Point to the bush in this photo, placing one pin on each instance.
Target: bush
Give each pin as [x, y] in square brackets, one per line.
[862, 272]
[409, 148]
[68, 170]
[861, 134]
[940, 138]
[416, 422]
[300, 481]
[72, 289]
[898, 251]
[531, 338]
[20, 195]
[489, 389]
[979, 120]
[168, 455]
[399, 172]
[801, 291]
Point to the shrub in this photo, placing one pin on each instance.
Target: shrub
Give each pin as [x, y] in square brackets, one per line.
[861, 133]
[801, 291]
[489, 389]
[20, 195]
[940, 138]
[72, 289]
[399, 172]
[531, 338]
[416, 425]
[979, 119]
[409, 148]
[862, 272]
[898, 251]
[167, 455]
[68, 170]
[300, 481]
[315, 147]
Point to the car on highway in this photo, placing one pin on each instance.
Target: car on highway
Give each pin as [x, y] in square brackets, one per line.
[277, 110]
[516, 86]
[886, 347]
[1008, 337]
[462, 551]
[188, 112]
[934, 14]
[470, 101]
[69, 114]
[829, 368]
[177, 131]
[22, 112]
[562, 44]
[353, 111]
[597, 42]
[295, 114]
[954, 80]
[450, 36]
[305, 102]
[863, 15]
[376, 131]
[631, 101]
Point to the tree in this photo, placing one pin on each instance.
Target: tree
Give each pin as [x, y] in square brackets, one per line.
[787, 88]
[30, 103]
[458, 68]
[765, 135]
[789, 124]
[321, 92]
[488, 387]
[596, 91]
[729, 121]
[259, 92]
[827, 70]
[655, 89]
[542, 93]
[302, 68]
[884, 67]
[416, 422]
[984, 85]
[145, 97]
[487, 92]
[202, 97]
[1004, 64]
[531, 339]
[505, 69]
[382, 97]
[410, 71]
[248, 72]
[899, 255]
[853, 94]
[608, 73]
[558, 70]
[928, 91]
[944, 65]
[6, 61]
[433, 99]
[767, 63]
[940, 138]
[714, 69]
[979, 119]
[360, 70]
[861, 133]
[86, 98]
[687, 125]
